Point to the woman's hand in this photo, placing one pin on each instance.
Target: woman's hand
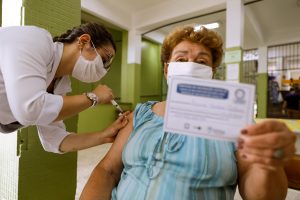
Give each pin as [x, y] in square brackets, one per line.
[270, 144]
[111, 132]
[104, 93]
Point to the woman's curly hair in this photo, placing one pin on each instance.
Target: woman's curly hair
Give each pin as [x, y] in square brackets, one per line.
[204, 36]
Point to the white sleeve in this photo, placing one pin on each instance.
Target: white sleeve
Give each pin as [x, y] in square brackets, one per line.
[52, 135]
[24, 62]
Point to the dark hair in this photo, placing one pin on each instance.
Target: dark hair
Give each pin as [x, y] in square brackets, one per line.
[206, 37]
[99, 35]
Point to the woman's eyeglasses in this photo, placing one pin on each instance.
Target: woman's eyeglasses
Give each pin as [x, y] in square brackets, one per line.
[109, 57]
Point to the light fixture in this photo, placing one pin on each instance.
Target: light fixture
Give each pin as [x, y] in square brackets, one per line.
[208, 26]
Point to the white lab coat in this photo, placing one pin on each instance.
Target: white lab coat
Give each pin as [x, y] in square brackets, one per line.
[28, 62]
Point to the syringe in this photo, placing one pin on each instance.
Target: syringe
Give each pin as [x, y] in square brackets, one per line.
[114, 103]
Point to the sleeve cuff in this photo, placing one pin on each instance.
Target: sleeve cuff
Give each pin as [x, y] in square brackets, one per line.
[52, 135]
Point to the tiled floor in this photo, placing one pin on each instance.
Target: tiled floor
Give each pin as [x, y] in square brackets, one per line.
[88, 159]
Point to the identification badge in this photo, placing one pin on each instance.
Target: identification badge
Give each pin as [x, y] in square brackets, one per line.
[208, 108]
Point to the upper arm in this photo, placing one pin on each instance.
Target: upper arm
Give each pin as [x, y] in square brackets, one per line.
[107, 173]
[112, 161]
[24, 69]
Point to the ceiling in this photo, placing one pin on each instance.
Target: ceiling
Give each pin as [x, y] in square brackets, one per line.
[267, 22]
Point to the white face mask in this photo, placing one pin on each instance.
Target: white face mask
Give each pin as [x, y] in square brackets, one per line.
[190, 69]
[89, 71]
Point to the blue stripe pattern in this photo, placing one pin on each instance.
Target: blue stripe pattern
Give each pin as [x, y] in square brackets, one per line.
[163, 166]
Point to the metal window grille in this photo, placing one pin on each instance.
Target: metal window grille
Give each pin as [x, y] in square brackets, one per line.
[284, 64]
[250, 65]
[284, 69]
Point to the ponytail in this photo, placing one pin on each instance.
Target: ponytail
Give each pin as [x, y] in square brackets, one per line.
[99, 35]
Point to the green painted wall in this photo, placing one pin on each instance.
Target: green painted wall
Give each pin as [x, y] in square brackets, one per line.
[151, 72]
[145, 81]
[44, 175]
[125, 96]
[261, 91]
[56, 15]
[96, 119]
[133, 74]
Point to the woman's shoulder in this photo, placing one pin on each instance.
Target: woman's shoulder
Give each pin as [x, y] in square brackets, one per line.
[144, 107]
[143, 112]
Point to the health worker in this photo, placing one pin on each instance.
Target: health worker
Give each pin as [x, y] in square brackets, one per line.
[34, 78]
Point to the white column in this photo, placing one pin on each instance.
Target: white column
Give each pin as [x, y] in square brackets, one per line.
[134, 47]
[262, 60]
[234, 23]
[234, 39]
[11, 12]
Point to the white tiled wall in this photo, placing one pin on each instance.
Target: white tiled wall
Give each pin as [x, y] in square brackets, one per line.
[9, 167]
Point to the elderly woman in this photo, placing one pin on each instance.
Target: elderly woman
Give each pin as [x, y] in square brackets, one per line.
[145, 162]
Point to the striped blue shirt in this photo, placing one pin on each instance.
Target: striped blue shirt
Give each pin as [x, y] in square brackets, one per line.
[163, 166]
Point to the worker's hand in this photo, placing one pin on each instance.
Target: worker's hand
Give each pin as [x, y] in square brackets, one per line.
[104, 94]
[111, 132]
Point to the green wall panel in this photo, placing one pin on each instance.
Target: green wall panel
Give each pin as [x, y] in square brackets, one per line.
[97, 118]
[135, 70]
[151, 72]
[56, 15]
[44, 175]
[125, 95]
[262, 89]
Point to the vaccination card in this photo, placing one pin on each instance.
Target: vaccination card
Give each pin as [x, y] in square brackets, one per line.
[208, 108]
